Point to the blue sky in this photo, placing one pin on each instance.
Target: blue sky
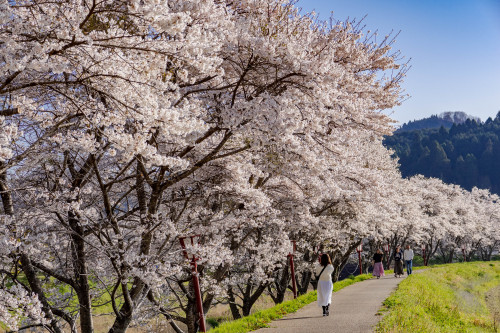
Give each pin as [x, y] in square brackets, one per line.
[454, 46]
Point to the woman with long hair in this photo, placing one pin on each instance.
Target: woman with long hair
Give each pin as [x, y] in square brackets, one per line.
[378, 268]
[398, 262]
[325, 285]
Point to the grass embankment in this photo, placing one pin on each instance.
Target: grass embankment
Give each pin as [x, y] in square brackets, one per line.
[449, 298]
[263, 318]
[389, 272]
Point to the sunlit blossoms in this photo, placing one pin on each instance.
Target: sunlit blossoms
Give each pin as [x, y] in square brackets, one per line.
[126, 125]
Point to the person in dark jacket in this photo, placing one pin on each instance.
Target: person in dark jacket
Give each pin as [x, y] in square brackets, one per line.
[378, 267]
[398, 262]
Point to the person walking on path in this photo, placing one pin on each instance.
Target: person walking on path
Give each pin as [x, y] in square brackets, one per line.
[325, 285]
[408, 256]
[378, 267]
[398, 262]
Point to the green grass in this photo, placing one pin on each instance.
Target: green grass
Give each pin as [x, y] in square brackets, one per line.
[447, 298]
[414, 268]
[263, 318]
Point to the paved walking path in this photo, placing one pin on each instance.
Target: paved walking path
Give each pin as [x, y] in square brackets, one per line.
[353, 309]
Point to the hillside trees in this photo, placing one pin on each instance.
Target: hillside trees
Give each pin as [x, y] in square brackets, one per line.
[465, 155]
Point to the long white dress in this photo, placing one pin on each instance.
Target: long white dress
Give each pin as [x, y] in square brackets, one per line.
[325, 285]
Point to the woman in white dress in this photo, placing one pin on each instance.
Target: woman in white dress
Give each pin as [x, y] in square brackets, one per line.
[325, 285]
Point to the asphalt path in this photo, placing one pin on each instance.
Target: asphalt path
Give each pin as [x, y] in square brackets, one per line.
[353, 309]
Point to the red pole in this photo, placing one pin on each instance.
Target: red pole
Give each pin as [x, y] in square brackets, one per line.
[292, 269]
[360, 264]
[197, 291]
[387, 250]
[388, 262]
[196, 284]
[389, 256]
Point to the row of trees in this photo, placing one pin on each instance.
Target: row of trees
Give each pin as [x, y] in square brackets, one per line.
[126, 125]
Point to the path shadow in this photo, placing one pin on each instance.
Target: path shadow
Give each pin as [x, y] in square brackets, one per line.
[311, 317]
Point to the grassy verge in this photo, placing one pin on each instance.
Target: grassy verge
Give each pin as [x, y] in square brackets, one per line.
[449, 298]
[415, 268]
[263, 318]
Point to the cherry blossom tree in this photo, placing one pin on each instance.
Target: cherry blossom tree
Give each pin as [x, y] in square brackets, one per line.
[88, 89]
[126, 125]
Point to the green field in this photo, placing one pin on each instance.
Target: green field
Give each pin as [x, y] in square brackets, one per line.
[462, 297]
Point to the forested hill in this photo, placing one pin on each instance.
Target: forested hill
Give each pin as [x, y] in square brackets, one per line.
[467, 154]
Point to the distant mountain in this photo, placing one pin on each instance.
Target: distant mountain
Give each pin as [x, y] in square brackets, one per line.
[458, 117]
[445, 119]
[466, 153]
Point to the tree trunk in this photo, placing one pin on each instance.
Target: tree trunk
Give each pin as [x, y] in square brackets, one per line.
[250, 298]
[26, 265]
[165, 313]
[235, 312]
[8, 207]
[192, 318]
[120, 325]
[139, 288]
[247, 306]
[433, 246]
[340, 260]
[489, 251]
[450, 256]
[138, 292]
[34, 284]
[81, 273]
[338, 269]
[303, 282]
[280, 283]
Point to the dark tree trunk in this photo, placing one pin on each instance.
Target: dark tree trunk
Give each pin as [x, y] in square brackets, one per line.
[394, 242]
[136, 294]
[339, 260]
[26, 266]
[34, 284]
[434, 246]
[235, 312]
[249, 296]
[8, 207]
[120, 325]
[247, 306]
[448, 255]
[303, 282]
[280, 284]
[81, 274]
[484, 253]
[139, 288]
[165, 313]
[487, 251]
[192, 318]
